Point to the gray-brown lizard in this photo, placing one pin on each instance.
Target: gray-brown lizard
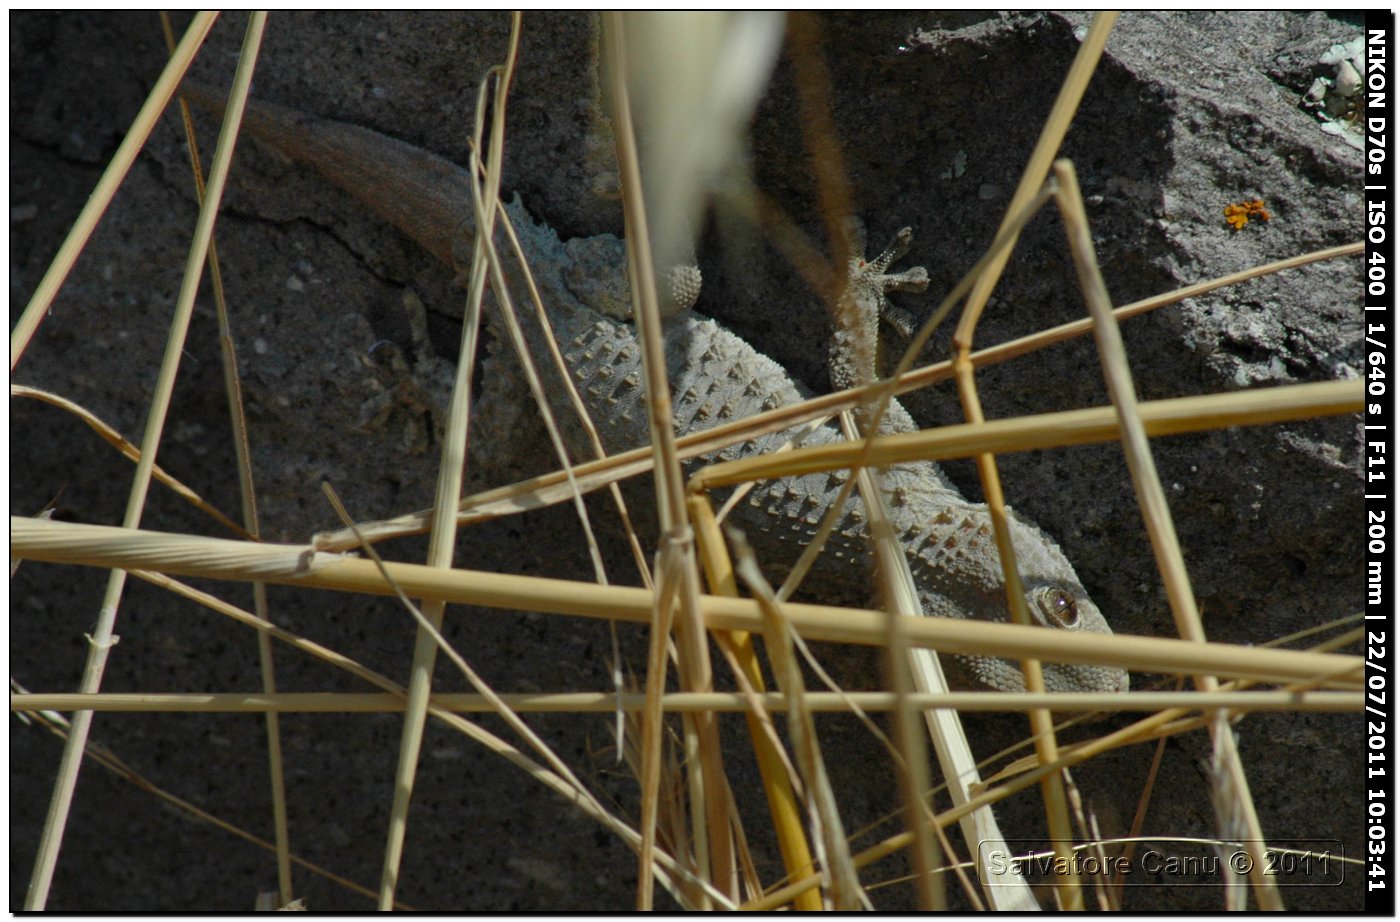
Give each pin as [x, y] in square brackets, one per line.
[715, 377]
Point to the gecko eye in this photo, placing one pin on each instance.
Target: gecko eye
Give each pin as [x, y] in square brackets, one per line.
[1058, 607]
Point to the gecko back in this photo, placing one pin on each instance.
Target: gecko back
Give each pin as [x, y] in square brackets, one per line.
[715, 376]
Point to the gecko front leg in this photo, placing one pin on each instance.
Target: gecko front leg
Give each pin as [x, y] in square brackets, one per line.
[853, 355]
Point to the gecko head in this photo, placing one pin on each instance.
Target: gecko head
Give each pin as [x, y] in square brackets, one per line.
[1060, 606]
[1055, 599]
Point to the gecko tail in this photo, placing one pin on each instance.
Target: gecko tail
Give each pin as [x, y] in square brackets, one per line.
[426, 196]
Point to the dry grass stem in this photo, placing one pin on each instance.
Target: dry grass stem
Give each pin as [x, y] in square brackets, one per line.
[112, 176]
[650, 741]
[532, 378]
[498, 706]
[571, 482]
[959, 767]
[778, 774]
[1230, 788]
[442, 537]
[828, 832]
[709, 811]
[1034, 773]
[56, 724]
[1052, 135]
[674, 702]
[512, 324]
[247, 494]
[215, 558]
[103, 637]
[1170, 416]
[128, 450]
[896, 585]
[1025, 345]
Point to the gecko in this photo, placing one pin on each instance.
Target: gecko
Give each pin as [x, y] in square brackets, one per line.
[715, 377]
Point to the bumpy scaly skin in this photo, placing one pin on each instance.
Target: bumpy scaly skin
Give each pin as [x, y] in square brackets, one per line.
[715, 377]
